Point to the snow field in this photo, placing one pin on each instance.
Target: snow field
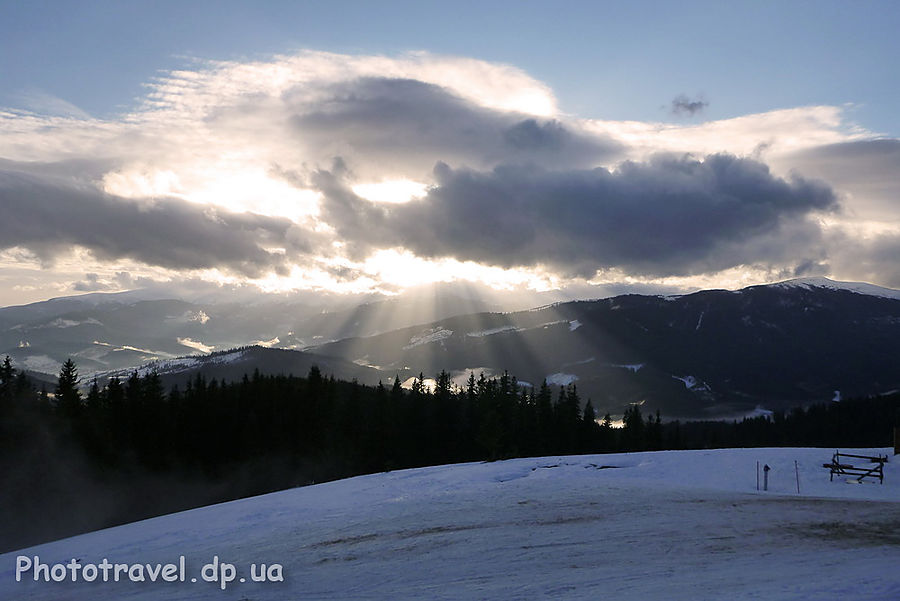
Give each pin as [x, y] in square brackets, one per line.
[669, 525]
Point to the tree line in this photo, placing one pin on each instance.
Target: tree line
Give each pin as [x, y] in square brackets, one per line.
[129, 448]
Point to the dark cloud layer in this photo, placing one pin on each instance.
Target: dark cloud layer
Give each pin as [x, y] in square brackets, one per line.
[398, 123]
[670, 216]
[48, 215]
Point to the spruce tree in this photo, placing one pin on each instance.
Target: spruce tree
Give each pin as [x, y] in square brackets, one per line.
[545, 425]
[7, 378]
[68, 397]
[633, 432]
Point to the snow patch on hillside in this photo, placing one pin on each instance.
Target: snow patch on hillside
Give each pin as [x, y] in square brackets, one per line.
[61, 322]
[429, 383]
[461, 377]
[428, 336]
[169, 366]
[856, 287]
[561, 379]
[195, 344]
[692, 383]
[760, 411]
[633, 367]
[551, 323]
[41, 363]
[492, 331]
[574, 325]
[126, 347]
[581, 362]
[364, 362]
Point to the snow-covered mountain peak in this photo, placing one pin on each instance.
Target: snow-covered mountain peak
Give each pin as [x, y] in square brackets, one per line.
[857, 287]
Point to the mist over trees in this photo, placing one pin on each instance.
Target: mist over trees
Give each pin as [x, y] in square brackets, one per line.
[130, 449]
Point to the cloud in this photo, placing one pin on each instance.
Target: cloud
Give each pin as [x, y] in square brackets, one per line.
[47, 104]
[682, 105]
[668, 216]
[120, 280]
[92, 283]
[226, 172]
[760, 135]
[49, 215]
[403, 126]
[865, 170]
[868, 259]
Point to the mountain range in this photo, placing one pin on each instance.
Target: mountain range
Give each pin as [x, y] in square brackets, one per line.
[711, 354]
[110, 332]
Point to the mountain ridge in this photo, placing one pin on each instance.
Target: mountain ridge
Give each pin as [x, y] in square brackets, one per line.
[709, 353]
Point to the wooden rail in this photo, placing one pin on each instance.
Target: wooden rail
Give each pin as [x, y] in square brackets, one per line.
[841, 467]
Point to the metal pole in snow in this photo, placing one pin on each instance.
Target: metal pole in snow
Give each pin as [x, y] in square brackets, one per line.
[766, 469]
[797, 472]
[757, 476]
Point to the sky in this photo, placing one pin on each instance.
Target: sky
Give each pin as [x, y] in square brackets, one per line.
[363, 147]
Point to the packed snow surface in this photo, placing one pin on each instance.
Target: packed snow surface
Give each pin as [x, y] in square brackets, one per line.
[642, 526]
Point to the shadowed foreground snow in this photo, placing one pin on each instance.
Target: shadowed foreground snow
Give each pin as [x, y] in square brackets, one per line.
[668, 525]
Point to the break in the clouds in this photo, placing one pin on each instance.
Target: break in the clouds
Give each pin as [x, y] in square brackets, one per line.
[682, 105]
[312, 170]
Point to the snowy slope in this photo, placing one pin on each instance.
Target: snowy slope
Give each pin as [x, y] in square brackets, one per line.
[857, 287]
[642, 526]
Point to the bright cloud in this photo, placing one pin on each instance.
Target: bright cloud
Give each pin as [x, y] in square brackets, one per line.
[761, 135]
[393, 191]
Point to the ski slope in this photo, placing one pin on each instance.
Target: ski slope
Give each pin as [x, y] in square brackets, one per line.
[643, 526]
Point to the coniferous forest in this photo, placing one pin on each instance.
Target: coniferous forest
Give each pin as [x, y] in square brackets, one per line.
[74, 461]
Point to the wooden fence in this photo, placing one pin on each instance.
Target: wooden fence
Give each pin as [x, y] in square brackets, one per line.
[841, 466]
